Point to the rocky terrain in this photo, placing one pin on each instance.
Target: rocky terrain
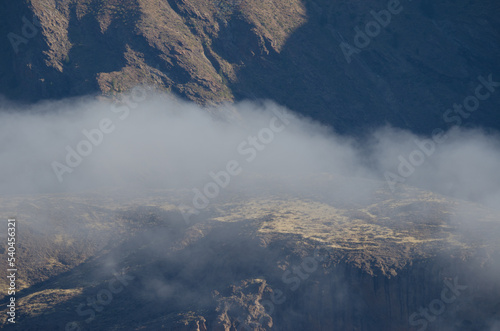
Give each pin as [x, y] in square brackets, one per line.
[302, 54]
[319, 252]
[276, 260]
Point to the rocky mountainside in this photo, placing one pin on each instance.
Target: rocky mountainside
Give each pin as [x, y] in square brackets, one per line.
[272, 261]
[349, 64]
[319, 251]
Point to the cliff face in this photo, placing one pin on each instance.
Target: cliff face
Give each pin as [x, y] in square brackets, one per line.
[307, 265]
[315, 57]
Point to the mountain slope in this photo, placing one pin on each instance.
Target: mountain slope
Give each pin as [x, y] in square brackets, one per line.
[269, 261]
[427, 58]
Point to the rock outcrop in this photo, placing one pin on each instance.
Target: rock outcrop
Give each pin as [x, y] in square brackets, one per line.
[291, 263]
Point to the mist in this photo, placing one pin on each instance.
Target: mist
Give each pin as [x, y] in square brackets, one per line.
[145, 141]
[153, 140]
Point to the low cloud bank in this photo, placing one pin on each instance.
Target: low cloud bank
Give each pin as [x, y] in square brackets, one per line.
[157, 141]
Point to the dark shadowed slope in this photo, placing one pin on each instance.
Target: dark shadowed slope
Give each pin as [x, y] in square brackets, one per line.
[427, 57]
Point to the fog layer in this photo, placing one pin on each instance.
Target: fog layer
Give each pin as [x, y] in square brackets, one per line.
[154, 140]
